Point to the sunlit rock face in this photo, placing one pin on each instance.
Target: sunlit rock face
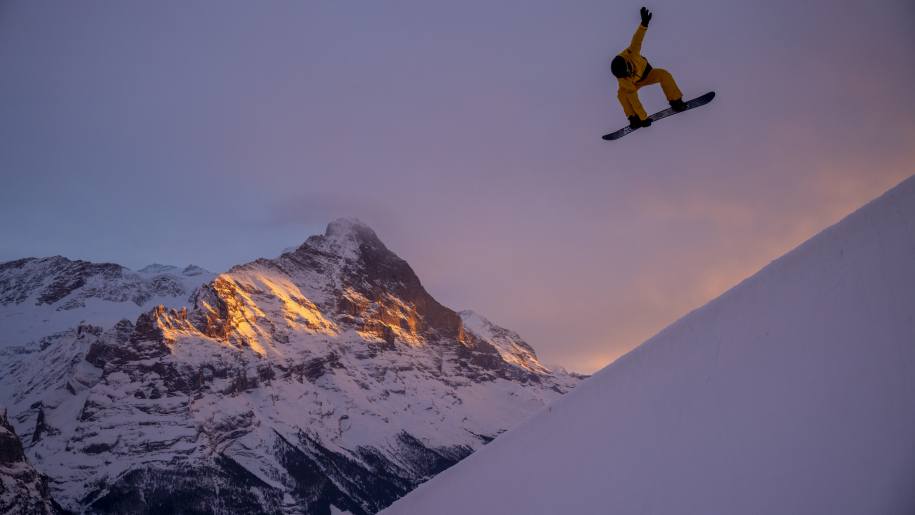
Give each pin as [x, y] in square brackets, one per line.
[327, 377]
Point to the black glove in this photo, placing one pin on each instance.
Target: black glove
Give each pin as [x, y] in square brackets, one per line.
[646, 16]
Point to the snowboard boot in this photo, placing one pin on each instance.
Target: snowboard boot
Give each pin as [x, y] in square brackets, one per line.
[678, 105]
[635, 122]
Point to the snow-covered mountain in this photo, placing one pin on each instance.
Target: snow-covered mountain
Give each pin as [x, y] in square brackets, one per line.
[39, 297]
[794, 392]
[326, 378]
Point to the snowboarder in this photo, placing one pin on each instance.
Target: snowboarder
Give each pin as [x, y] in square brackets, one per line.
[633, 72]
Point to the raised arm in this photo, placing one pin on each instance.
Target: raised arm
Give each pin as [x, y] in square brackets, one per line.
[636, 44]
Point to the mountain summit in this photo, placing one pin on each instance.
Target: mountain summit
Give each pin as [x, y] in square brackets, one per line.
[326, 378]
[791, 393]
[351, 229]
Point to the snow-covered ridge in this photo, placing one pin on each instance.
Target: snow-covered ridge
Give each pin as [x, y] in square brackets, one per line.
[42, 296]
[157, 268]
[511, 347]
[326, 377]
[794, 392]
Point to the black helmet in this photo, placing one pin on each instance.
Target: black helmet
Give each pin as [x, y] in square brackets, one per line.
[619, 67]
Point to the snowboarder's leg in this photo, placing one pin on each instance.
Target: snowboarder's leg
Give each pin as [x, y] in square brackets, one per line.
[624, 101]
[668, 84]
[632, 107]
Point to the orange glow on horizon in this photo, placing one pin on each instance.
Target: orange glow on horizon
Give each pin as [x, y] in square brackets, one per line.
[703, 274]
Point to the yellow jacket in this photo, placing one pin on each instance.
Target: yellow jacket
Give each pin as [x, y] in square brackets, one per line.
[640, 68]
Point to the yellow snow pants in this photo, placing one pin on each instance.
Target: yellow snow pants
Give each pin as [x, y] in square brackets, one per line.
[630, 99]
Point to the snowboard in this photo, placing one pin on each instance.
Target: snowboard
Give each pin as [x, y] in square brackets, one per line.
[696, 102]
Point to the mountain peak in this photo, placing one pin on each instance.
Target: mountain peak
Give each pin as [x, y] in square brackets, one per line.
[329, 370]
[349, 227]
[351, 270]
[344, 237]
[351, 232]
[158, 268]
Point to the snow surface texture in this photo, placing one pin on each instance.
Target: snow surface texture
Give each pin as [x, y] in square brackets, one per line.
[794, 392]
[325, 379]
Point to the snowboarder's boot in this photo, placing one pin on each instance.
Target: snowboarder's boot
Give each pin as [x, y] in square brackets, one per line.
[635, 122]
[678, 105]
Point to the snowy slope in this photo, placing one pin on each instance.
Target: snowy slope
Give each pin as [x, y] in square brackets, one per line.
[794, 392]
[326, 378]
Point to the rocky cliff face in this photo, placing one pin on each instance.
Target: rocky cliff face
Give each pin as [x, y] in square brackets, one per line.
[327, 377]
[22, 489]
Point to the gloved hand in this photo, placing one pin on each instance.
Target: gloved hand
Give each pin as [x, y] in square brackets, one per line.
[646, 16]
